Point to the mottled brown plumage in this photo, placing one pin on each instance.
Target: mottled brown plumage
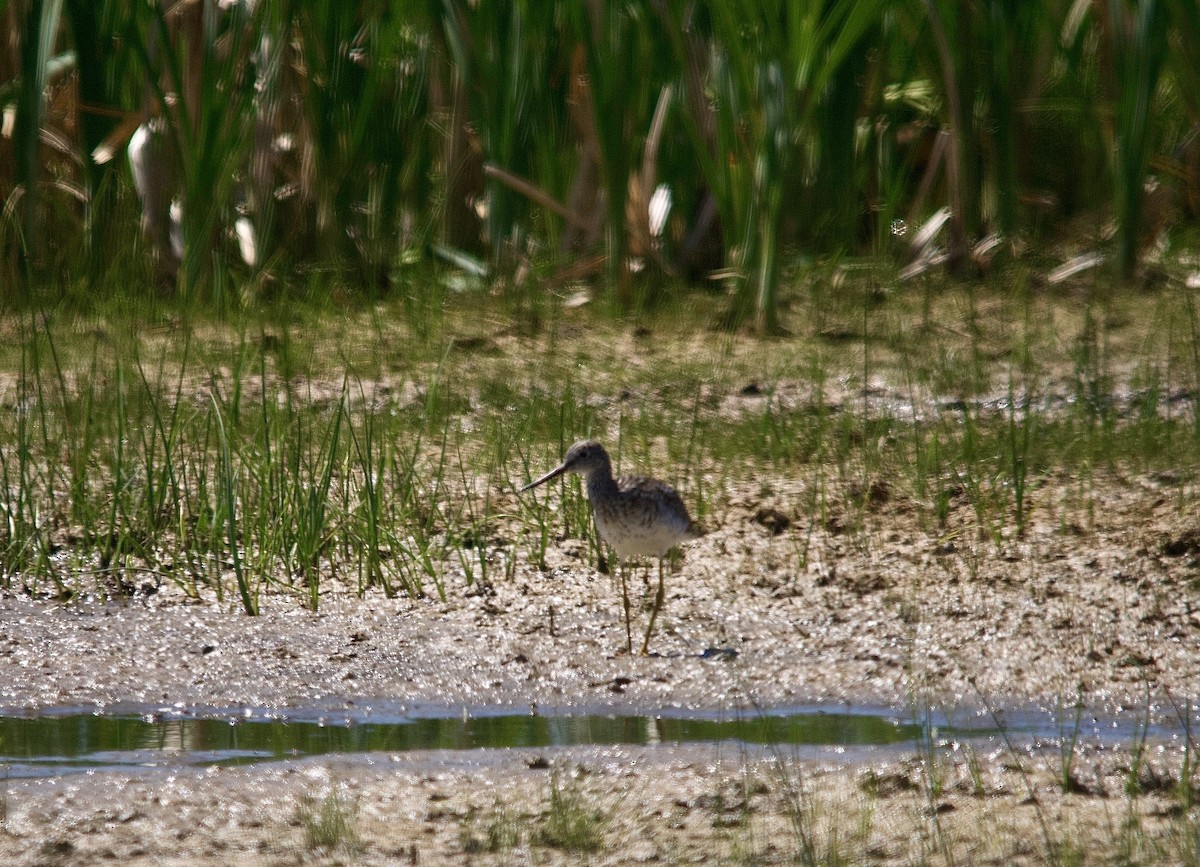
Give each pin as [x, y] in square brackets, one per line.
[636, 516]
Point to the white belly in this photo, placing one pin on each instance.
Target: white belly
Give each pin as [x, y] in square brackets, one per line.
[635, 539]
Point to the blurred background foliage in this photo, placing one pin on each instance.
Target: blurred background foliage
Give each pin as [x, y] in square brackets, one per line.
[221, 149]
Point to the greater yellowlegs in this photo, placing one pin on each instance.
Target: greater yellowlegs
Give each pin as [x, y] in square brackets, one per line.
[636, 516]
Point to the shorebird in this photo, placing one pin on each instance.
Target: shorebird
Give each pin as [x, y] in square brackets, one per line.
[636, 516]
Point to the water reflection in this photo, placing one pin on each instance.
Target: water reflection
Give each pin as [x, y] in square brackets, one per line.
[89, 740]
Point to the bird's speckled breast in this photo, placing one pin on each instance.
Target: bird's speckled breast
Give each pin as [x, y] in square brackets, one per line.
[643, 518]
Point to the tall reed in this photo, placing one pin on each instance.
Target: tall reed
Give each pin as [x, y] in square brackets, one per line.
[353, 139]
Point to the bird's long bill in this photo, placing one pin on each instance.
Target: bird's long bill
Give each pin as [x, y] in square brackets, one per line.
[553, 474]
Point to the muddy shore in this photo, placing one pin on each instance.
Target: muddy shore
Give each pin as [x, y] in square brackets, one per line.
[881, 617]
[884, 617]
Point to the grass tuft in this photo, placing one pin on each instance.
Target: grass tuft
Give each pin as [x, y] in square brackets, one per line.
[570, 822]
[501, 830]
[331, 825]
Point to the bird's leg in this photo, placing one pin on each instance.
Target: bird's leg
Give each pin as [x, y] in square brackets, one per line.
[623, 569]
[658, 601]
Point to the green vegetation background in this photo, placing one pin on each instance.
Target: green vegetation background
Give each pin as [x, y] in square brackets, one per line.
[448, 175]
[361, 142]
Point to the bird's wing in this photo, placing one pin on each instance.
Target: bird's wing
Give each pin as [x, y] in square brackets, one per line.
[655, 493]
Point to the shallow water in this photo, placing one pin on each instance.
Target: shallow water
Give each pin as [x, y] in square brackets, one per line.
[59, 741]
[69, 740]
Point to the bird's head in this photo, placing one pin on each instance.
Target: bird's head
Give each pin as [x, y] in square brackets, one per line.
[584, 458]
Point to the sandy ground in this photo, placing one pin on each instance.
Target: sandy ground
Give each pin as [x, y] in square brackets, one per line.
[879, 616]
[672, 805]
[1106, 604]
